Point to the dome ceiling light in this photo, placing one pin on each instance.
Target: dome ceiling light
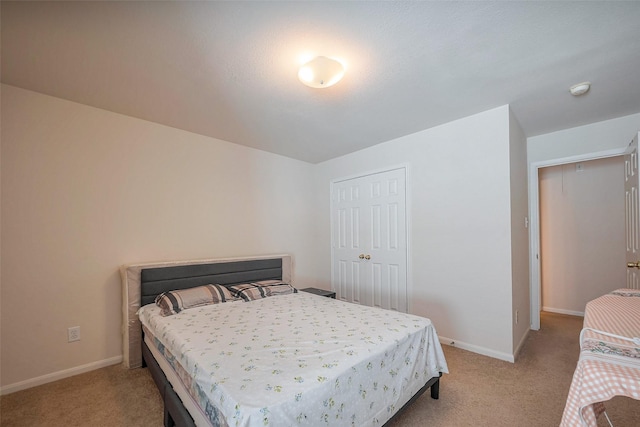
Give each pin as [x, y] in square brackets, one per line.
[580, 88]
[321, 72]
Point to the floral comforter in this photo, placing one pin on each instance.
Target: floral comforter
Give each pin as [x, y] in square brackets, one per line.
[298, 359]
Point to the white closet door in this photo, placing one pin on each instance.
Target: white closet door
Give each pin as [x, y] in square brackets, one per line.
[370, 240]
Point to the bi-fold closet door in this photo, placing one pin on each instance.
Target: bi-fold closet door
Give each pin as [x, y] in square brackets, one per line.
[369, 239]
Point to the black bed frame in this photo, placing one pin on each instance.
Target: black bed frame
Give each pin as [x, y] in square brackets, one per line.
[157, 280]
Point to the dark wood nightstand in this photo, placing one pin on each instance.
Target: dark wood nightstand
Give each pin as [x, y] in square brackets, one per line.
[321, 292]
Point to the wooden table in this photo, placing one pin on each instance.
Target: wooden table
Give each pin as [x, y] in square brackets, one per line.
[608, 365]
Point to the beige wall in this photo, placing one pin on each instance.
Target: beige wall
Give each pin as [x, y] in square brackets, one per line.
[85, 191]
[582, 233]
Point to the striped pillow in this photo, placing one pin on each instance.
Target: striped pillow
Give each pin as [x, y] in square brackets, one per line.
[174, 302]
[263, 289]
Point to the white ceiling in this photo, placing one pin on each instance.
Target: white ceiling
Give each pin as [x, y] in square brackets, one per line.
[229, 69]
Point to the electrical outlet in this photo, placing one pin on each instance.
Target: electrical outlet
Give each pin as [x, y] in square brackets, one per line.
[516, 317]
[73, 333]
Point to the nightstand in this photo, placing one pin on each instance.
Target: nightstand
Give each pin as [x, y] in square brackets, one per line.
[321, 292]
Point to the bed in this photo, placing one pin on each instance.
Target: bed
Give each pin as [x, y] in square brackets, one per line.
[609, 363]
[291, 359]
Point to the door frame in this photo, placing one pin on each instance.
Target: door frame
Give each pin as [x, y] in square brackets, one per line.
[534, 221]
[407, 213]
[631, 252]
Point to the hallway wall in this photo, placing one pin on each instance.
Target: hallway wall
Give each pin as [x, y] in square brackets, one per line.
[582, 233]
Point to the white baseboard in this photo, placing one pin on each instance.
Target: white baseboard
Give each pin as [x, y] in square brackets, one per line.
[55, 376]
[477, 349]
[563, 311]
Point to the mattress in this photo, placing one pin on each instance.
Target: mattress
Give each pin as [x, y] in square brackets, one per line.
[297, 359]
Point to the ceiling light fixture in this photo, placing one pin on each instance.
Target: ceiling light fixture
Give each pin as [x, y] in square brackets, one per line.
[321, 72]
[580, 88]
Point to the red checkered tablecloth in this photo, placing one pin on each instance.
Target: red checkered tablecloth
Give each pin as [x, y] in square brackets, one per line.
[608, 366]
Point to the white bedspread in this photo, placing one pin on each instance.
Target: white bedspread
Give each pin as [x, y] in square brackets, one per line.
[298, 359]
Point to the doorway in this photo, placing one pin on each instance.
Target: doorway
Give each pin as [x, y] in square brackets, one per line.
[582, 233]
[534, 216]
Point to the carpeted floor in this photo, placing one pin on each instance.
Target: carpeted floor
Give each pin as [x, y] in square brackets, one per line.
[479, 391]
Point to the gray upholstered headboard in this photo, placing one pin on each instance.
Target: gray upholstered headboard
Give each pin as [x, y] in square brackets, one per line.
[154, 281]
[143, 282]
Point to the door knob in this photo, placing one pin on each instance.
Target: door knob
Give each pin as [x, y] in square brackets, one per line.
[633, 264]
[368, 257]
[361, 256]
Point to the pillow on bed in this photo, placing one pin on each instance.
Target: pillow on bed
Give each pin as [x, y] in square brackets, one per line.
[263, 289]
[173, 302]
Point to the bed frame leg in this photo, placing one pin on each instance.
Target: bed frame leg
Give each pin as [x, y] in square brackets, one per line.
[168, 421]
[435, 389]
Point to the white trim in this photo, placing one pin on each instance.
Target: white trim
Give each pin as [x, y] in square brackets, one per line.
[581, 157]
[563, 311]
[407, 215]
[370, 172]
[477, 349]
[55, 376]
[534, 222]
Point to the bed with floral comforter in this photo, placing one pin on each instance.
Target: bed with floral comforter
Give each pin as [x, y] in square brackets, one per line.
[296, 359]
